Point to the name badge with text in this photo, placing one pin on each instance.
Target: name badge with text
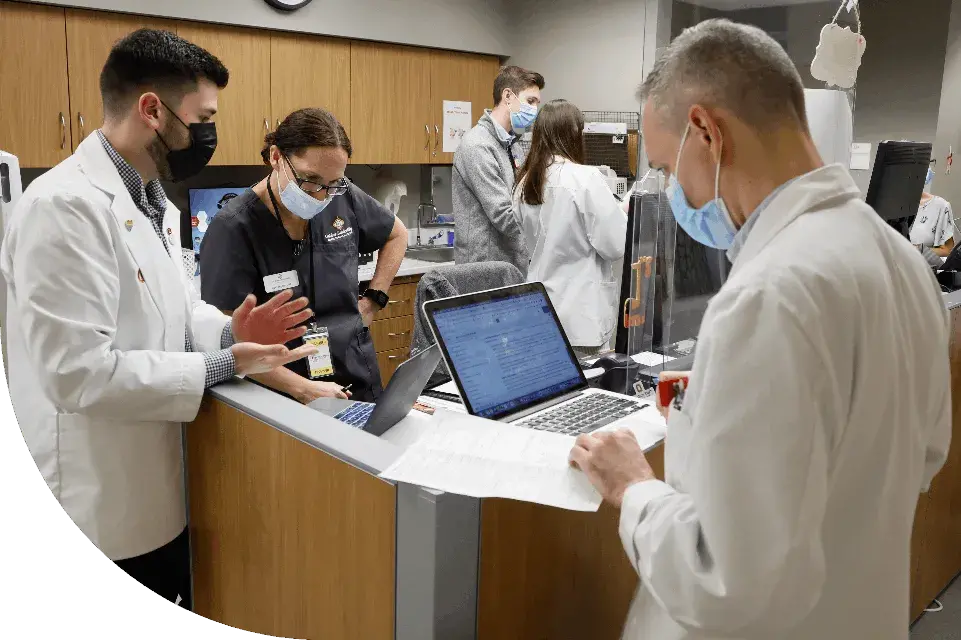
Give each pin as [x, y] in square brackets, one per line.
[281, 281]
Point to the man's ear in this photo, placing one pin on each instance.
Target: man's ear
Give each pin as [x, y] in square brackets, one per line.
[149, 108]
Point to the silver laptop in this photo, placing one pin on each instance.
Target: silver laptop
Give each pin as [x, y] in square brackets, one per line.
[511, 361]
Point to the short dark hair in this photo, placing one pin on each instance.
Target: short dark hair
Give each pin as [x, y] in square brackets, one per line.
[307, 128]
[153, 60]
[516, 79]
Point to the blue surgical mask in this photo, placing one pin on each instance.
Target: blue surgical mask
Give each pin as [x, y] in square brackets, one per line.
[711, 225]
[930, 177]
[523, 119]
[298, 201]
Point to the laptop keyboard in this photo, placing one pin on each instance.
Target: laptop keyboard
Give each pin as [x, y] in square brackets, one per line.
[583, 415]
[357, 414]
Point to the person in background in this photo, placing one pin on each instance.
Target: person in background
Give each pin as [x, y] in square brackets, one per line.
[111, 344]
[933, 227]
[485, 169]
[574, 226]
[816, 411]
[308, 223]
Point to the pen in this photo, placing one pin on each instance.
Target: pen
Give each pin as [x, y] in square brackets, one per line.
[347, 388]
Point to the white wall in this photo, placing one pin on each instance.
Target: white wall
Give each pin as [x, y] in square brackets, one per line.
[949, 120]
[589, 53]
[479, 26]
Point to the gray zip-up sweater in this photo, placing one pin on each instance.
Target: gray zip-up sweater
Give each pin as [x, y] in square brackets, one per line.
[482, 190]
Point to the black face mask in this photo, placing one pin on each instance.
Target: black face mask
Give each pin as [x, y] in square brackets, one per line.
[185, 163]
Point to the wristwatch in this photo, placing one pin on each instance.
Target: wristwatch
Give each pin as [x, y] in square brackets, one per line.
[378, 297]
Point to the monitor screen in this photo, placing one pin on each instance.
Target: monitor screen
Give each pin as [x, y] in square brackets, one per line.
[508, 353]
[204, 205]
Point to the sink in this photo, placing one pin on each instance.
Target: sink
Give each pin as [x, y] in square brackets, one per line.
[431, 254]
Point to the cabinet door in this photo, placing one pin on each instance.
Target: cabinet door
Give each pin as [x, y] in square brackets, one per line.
[90, 36]
[390, 104]
[35, 108]
[243, 112]
[308, 71]
[458, 76]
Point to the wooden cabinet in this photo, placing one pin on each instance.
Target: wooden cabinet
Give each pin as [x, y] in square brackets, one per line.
[389, 98]
[388, 361]
[243, 113]
[307, 71]
[90, 36]
[458, 76]
[35, 109]
[390, 104]
[393, 327]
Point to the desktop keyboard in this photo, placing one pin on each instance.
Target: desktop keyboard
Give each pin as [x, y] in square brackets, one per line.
[357, 414]
[586, 414]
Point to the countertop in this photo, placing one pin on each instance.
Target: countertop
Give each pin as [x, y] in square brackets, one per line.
[409, 267]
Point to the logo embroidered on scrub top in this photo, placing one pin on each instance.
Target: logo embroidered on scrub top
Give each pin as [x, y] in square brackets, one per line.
[341, 230]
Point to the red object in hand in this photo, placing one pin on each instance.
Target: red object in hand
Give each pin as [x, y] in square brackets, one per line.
[667, 389]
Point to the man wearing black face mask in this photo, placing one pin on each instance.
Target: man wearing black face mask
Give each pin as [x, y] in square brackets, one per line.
[111, 346]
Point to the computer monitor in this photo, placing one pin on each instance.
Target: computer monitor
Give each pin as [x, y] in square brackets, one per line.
[204, 205]
[897, 181]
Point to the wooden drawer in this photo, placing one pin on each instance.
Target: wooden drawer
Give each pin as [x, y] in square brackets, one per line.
[388, 361]
[401, 302]
[392, 333]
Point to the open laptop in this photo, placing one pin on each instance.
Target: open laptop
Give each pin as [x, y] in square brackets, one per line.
[512, 362]
[398, 399]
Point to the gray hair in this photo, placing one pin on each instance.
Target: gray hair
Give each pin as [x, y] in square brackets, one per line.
[724, 64]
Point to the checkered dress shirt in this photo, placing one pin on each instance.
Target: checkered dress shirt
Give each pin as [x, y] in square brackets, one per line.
[152, 202]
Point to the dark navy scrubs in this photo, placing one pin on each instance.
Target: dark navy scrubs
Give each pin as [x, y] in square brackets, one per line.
[245, 243]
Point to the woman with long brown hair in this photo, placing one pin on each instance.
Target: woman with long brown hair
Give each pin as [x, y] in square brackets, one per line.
[573, 225]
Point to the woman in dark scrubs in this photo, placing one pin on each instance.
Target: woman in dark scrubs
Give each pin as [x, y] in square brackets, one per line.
[303, 227]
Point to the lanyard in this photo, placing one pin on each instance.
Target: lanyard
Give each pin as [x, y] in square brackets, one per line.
[510, 152]
[309, 292]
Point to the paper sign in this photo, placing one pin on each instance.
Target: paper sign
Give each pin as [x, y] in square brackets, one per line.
[456, 123]
[860, 156]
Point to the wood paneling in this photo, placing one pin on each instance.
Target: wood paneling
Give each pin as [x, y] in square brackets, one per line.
[392, 333]
[286, 540]
[936, 541]
[307, 71]
[390, 104]
[90, 36]
[388, 361]
[458, 76]
[550, 573]
[243, 116]
[34, 104]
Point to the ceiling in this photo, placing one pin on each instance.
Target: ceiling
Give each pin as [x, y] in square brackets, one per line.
[731, 5]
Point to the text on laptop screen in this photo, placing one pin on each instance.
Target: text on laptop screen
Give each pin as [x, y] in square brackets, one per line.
[507, 352]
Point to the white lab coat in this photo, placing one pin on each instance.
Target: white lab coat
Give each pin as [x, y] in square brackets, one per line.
[816, 414]
[99, 381]
[576, 236]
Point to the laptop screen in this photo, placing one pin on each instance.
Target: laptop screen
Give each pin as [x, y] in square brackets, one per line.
[508, 353]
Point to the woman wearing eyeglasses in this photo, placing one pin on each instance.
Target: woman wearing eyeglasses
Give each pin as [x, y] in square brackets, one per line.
[302, 228]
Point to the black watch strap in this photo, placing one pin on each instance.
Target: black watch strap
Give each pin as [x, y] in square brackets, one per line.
[378, 297]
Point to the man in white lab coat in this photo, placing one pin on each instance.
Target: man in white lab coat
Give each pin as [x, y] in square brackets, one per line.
[110, 347]
[816, 410]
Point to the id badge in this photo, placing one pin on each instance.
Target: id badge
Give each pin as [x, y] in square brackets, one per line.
[320, 364]
[281, 281]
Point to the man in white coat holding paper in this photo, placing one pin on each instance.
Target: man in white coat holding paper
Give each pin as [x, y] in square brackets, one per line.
[111, 348]
[816, 411]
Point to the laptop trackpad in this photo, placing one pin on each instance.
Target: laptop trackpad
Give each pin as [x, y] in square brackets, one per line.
[330, 406]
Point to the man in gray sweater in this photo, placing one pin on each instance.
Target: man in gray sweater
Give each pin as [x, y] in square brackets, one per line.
[485, 165]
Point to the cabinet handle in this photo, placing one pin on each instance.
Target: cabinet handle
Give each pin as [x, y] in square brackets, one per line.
[436, 139]
[278, 123]
[397, 301]
[427, 129]
[398, 335]
[394, 357]
[63, 131]
[80, 120]
[266, 125]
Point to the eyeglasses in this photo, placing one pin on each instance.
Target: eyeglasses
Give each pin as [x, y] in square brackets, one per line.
[337, 189]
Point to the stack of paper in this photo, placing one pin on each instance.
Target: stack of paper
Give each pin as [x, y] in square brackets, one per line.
[484, 459]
